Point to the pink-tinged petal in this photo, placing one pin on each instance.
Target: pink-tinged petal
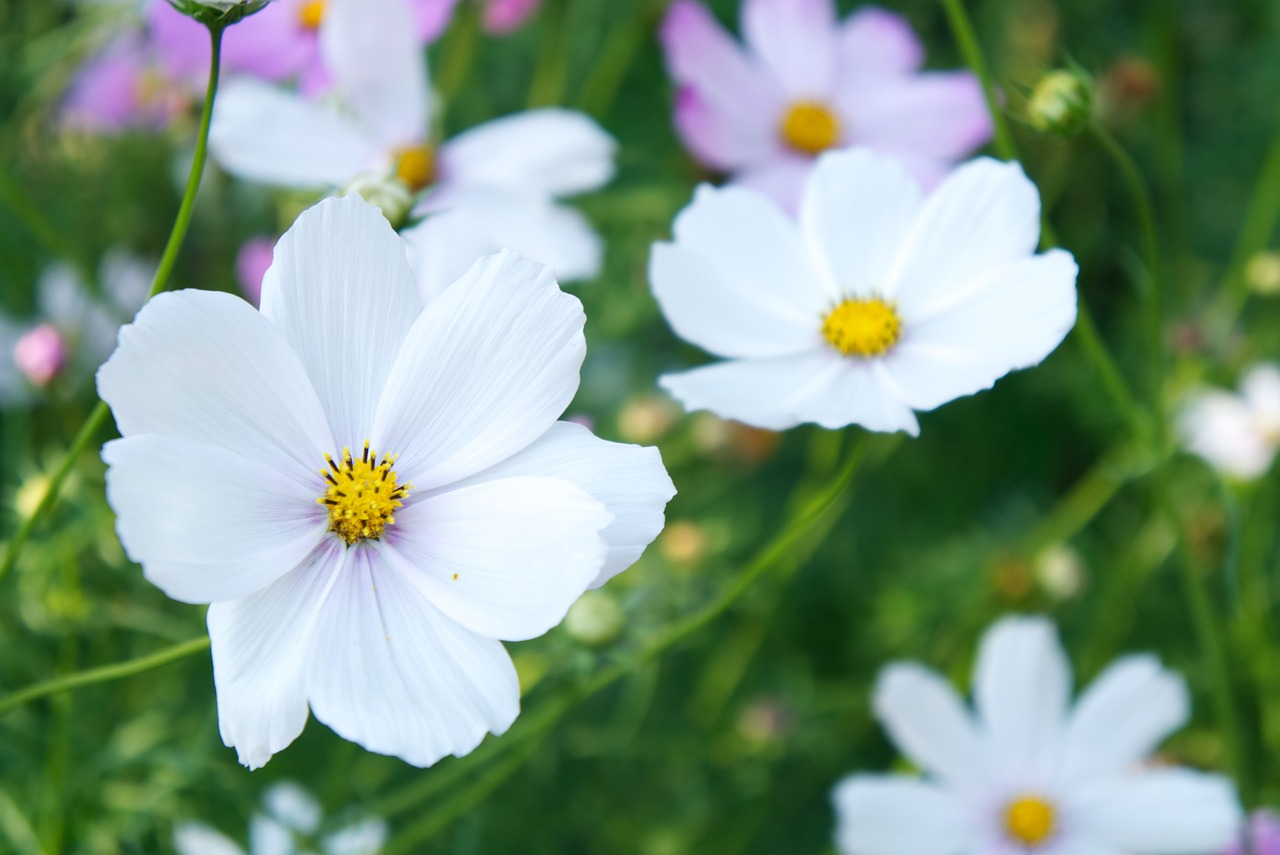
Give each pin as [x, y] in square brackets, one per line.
[782, 178]
[722, 139]
[120, 90]
[181, 43]
[432, 17]
[270, 44]
[796, 40]
[40, 355]
[261, 650]
[252, 262]
[502, 17]
[939, 114]
[391, 673]
[897, 815]
[874, 42]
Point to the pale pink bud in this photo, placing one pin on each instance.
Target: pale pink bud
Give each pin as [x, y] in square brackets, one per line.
[40, 355]
[505, 16]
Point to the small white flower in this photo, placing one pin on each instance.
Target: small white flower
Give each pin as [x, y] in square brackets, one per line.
[877, 303]
[1024, 773]
[1237, 434]
[370, 494]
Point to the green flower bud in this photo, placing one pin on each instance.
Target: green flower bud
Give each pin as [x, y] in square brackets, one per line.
[596, 619]
[218, 13]
[1061, 105]
[389, 195]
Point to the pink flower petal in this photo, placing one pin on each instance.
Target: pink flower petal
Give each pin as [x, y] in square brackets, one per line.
[796, 40]
[939, 114]
[875, 42]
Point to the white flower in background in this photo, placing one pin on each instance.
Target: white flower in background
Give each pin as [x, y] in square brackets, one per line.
[1025, 774]
[494, 186]
[1238, 434]
[877, 303]
[289, 821]
[370, 494]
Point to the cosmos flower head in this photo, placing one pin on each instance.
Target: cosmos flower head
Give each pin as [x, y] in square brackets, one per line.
[1235, 432]
[877, 303]
[805, 83]
[372, 495]
[1026, 773]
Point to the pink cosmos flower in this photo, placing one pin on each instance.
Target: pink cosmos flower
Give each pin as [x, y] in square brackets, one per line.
[121, 89]
[40, 355]
[1264, 830]
[806, 82]
[506, 16]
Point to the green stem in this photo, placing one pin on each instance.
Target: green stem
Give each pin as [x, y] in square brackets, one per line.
[94, 422]
[1259, 224]
[616, 56]
[1095, 350]
[552, 69]
[971, 51]
[104, 674]
[458, 53]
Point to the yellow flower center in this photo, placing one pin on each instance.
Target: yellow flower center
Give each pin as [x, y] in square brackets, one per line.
[416, 166]
[362, 495]
[862, 327]
[1030, 820]
[311, 14]
[810, 127]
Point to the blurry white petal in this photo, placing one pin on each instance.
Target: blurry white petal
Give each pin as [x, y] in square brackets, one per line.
[207, 524]
[366, 837]
[930, 724]
[191, 838]
[897, 815]
[263, 133]
[126, 280]
[293, 806]
[550, 152]
[489, 365]
[390, 672]
[1261, 389]
[269, 837]
[341, 293]
[1223, 429]
[1162, 812]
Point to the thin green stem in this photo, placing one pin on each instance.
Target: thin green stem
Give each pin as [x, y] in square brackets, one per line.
[552, 69]
[1259, 224]
[458, 53]
[89, 431]
[971, 51]
[616, 56]
[104, 674]
[1095, 350]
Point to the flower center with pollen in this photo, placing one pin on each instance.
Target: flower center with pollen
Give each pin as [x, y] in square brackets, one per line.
[362, 496]
[862, 327]
[810, 127]
[416, 166]
[311, 14]
[1030, 820]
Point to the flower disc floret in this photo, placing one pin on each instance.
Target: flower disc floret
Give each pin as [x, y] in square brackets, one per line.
[311, 14]
[1030, 820]
[862, 327]
[362, 496]
[810, 127]
[416, 166]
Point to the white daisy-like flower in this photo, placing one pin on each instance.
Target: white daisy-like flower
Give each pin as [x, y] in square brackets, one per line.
[878, 302]
[371, 494]
[1026, 774]
[1238, 434]
[494, 186]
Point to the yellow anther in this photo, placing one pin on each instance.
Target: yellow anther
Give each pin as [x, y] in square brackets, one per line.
[862, 327]
[416, 166]
[810, 127]
[362, 495]
[1030, 820]
[311, 14]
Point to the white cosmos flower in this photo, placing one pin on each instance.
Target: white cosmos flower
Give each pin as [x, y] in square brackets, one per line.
[1238, 434]
[878, 302]
[1024, 773]
[495, 185]
[370, 494]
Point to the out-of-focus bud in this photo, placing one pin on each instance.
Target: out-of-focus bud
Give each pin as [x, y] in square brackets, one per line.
[1127, 88]
[252, 262]
[391, 196]
[1011, 578]
[1060, 572]
[765, 723]
[646, 418]
[29, 495]
[506, 16]
[1262, 274]
[596, 619]
[683, 542]
[1061, 105]
[40, 355]
[219, 13]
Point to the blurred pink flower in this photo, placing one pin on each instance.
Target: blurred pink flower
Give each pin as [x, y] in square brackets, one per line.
[40, 355]
[506, 16]
[123, 88]
[1265, 832]
[251, 265]
[806, 82]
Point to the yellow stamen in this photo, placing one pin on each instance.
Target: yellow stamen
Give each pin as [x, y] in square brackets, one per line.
[862, 327]
[311, 14]
[1030, 820]
[810, 127]
[362, 495]
[416, 166]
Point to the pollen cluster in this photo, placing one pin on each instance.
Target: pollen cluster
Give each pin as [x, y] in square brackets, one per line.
[362, 496]
[416, 166]
[1030, 820]
[810, 127]
[311, 14]
[862, 327]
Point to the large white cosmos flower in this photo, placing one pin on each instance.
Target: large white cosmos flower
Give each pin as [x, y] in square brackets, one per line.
[878, 302]
[370, 494]
[492, 187]
[1024, 773]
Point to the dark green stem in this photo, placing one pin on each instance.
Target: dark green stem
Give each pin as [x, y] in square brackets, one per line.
[971, 51]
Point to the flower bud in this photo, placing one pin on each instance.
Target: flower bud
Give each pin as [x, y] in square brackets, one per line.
[40, 355]
[1061, 105]
[391, 196]
[218, 13]
[596, 619]
[1262, 274]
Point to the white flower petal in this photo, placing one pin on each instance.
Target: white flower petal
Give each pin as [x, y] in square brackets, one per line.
[897, 815]
[263, 133]
[206, 524]
[372, 49]
[1221, 428]
[290, 804]
[929, 722]
[1162, 812]
[629, 480]
[1022, 686]
[983, 215]
[546, 152]
[208, 368]
[190, 838]
[503, 558]
[261, 646]
[858, 207]
[269, 837]
[1261, 388]
[1121, 718]
[391, 673]
[366, 837]
[341, 292]
[445, 245]
[489, 365]
[1009, 317]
